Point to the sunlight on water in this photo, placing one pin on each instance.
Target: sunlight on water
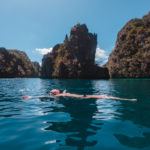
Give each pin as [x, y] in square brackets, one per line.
[106, 109]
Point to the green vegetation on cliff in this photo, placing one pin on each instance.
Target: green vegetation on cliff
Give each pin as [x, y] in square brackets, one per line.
[131, 55]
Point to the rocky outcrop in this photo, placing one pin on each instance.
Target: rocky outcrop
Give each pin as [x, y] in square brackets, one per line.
[75, 57]
[131, 55]
[15, 63]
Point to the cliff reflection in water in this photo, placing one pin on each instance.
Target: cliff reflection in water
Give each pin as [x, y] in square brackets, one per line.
[81, 125]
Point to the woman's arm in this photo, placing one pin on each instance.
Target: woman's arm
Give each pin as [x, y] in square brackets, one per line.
[93, 97]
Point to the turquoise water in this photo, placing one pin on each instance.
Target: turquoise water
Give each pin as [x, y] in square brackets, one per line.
[70, 124]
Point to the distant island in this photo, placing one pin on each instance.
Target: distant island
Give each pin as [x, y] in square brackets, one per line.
[75, 57]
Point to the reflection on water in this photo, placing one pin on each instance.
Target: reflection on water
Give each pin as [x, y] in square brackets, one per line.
[68, 123]
[80, 126]
[107, 110]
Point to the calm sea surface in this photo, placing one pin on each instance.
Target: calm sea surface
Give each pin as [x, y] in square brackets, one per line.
[70, 124]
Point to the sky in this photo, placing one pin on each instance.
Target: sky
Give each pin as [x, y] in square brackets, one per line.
[35, 26]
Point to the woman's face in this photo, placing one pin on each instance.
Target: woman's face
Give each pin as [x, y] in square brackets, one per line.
[55, 92]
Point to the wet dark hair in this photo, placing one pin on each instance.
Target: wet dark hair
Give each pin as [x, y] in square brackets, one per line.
[61, 91]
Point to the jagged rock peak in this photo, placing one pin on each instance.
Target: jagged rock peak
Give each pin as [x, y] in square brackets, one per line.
[74, 58]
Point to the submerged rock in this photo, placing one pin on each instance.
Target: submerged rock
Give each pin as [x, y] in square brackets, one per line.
[131, 55]
[15, 63]
[75, 57]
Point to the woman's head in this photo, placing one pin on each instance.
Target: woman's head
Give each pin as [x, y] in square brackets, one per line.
[55, 92]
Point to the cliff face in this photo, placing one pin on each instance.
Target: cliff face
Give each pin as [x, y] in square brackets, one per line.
[14, 63]
[75, 58]
[131, 55]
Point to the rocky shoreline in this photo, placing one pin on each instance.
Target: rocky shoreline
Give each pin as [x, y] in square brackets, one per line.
[75, 57]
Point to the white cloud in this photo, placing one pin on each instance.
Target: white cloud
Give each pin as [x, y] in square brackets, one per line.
[43, 51]
[101, 56]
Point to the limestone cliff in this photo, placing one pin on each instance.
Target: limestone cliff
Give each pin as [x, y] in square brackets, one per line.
[15, 63]
[75, 57]
[131, 55]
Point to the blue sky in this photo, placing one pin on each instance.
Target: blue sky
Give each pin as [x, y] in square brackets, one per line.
[32, 25]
